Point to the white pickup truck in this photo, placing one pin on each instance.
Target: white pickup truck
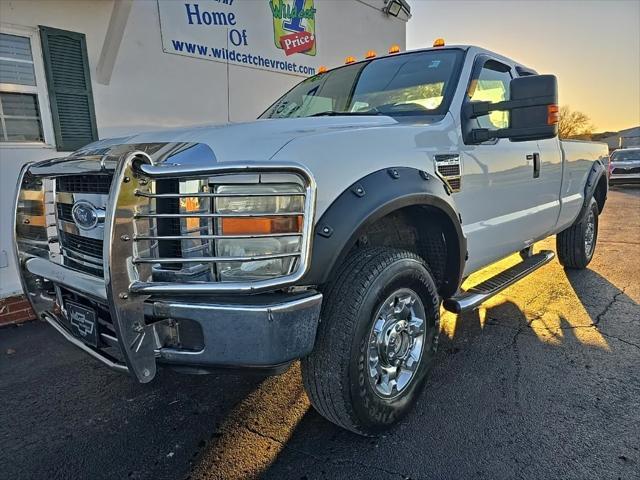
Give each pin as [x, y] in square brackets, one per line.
[331, 230]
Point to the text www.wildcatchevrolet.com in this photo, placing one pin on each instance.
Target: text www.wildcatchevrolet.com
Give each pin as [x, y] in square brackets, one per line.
[231, 55]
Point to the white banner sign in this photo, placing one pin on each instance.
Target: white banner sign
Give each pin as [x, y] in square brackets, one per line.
[277, 35]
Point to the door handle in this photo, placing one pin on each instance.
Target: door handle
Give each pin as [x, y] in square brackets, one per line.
[536, 163]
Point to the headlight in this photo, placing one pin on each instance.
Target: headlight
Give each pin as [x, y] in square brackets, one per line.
[254, 235]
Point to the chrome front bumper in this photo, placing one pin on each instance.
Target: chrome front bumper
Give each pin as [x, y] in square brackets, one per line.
[255, 331]
[252, 332]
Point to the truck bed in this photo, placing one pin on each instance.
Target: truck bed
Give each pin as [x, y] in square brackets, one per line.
[578, 158]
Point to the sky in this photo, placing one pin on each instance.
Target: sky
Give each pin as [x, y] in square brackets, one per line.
[592, 46]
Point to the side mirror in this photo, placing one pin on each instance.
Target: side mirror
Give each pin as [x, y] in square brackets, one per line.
[533, 108]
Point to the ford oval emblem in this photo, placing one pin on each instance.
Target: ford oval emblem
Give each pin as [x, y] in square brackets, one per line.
[86, 215]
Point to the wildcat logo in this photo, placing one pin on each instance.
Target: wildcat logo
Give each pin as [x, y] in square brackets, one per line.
[294, 26]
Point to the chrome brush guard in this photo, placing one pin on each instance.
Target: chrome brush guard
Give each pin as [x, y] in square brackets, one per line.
[131, 258]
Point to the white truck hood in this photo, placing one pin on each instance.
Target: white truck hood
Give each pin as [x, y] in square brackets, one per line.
[254, 141]
[338, 151]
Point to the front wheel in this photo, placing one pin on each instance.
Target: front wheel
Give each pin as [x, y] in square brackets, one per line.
[576, 244]
[377, 337]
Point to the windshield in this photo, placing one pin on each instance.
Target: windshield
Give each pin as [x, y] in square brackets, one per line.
[409, 84]
[625, 156]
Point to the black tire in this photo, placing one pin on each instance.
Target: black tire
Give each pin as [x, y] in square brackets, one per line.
[336, 373]
[570, 243]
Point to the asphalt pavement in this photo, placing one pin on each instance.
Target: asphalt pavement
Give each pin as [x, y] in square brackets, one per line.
[542, 382]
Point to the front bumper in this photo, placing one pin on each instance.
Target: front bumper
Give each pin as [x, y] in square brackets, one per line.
[262, 331]
[624, 179]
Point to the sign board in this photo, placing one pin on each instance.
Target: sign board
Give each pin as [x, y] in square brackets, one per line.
[276, 35]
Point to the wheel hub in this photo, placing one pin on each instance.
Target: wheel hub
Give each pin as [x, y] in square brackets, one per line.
[396, 342]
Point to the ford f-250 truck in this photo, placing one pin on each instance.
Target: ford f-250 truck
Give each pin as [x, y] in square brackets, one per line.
[331, 230]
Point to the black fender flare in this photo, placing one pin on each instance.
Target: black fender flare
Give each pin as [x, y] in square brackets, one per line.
[593, 179]
[371, 198]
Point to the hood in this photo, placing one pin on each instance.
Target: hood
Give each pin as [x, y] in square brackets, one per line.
[251, 141]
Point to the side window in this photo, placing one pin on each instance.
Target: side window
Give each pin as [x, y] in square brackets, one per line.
[492, 85]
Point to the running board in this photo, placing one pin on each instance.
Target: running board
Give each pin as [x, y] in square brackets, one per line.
[467, 300]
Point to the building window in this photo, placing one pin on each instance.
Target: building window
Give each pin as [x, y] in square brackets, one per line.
[20, 113]
[20, 118]
[46, 97]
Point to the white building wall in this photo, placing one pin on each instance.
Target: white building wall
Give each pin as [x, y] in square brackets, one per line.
[150, 89]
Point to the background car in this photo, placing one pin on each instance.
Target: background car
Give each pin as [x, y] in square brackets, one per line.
[624, 166]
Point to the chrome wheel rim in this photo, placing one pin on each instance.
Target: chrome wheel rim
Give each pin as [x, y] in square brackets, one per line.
[590, 233]
[396, 343]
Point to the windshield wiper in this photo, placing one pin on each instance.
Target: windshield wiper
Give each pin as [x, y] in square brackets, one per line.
[335, 113]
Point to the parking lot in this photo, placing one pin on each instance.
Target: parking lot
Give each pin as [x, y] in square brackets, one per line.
[542, 382]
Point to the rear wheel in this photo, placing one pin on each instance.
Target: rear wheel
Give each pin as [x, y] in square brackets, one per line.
[577, 243]
[376, 340]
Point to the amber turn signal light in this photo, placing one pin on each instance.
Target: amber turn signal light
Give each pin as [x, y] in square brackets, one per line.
[261, 225]
[553, 114]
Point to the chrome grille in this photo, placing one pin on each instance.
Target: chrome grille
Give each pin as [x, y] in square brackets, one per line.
[81, 249]
[98, 184]
[64, 212]
[84, 245]
[46, 229]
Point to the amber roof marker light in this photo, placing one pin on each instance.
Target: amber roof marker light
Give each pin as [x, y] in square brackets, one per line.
[322, 69]
[394, 49]
[370, 54]
[349, 59]
[438, 42]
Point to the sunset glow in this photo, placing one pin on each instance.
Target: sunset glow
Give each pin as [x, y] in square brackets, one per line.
[593, 47]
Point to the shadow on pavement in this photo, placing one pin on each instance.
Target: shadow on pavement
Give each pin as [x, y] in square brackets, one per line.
[64, 415]
[509, 388]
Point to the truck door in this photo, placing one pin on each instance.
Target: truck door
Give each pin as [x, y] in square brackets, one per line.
[503, 197]
[549, 185]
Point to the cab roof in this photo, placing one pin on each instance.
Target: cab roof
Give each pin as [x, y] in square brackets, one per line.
[473, 49]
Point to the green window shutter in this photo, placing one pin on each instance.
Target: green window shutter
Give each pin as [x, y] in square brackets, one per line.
[69, 85]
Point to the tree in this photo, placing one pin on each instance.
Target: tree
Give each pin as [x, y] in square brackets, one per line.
[573, 123]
